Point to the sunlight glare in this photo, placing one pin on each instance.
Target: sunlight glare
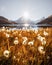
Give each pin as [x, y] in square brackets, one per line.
[26, 15]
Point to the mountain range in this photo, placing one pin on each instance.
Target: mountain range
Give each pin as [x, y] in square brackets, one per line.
[21, 20]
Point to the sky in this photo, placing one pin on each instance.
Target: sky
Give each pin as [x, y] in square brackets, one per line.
[36, 9]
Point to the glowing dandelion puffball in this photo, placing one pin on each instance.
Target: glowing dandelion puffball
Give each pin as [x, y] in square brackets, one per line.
[16, 42]
[41, 49]
[6, 53]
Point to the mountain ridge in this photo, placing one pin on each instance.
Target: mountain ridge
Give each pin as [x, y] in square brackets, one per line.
[47, 20]
[4, 20]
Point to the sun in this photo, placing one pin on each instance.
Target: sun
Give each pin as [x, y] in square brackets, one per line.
[26, 15]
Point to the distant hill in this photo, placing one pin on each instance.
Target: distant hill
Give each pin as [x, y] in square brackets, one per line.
[4, 20]
[46, 21]
[21, 20]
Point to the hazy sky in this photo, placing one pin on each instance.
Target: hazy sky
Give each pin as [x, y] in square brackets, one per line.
[13, 9]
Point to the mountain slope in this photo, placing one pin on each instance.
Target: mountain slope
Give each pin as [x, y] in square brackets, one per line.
[21, 20]
[46, 21]
[4, 20]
